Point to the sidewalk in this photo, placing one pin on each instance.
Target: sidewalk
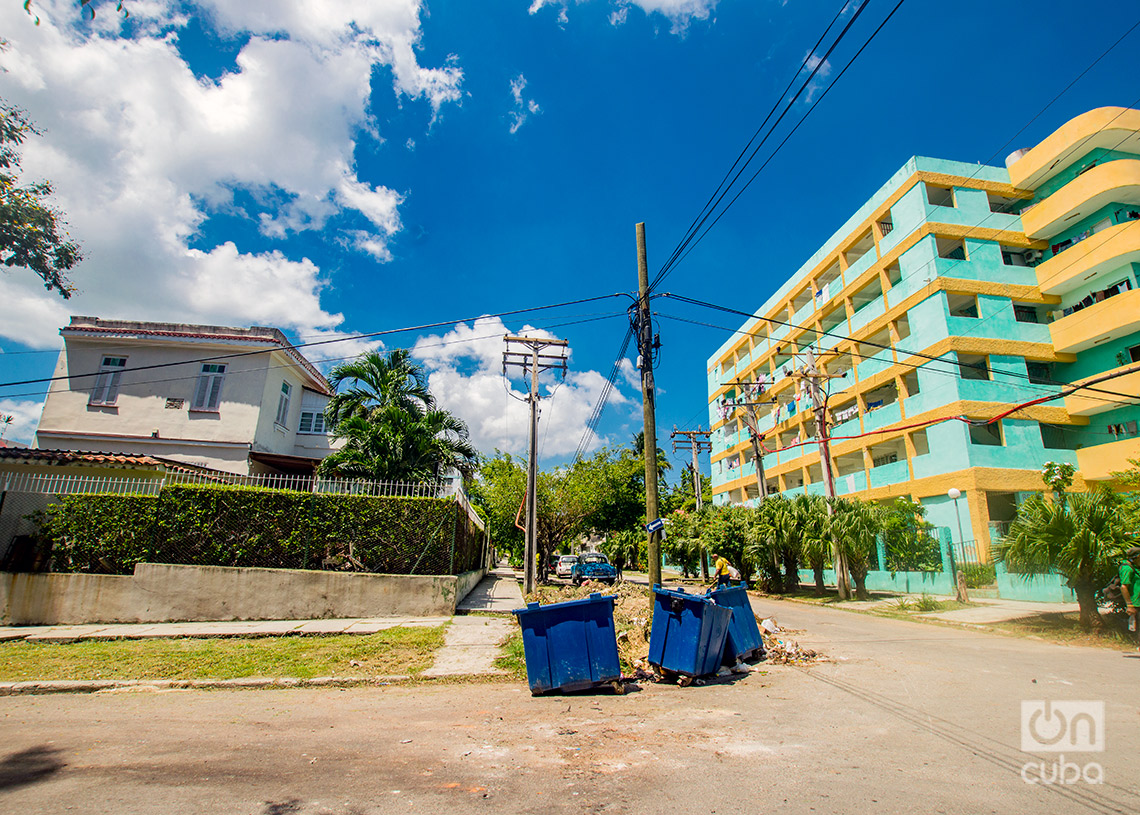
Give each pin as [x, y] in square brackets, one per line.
[986, 609]
[498, 592]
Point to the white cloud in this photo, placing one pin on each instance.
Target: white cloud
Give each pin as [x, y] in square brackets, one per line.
[681, 13]
[523, 107]
[25, 415]
[142, 152]
[465, 376]
[816, 84]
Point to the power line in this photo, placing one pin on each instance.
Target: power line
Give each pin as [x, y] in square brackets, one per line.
[347, 338]
[695, 241]
[292, 365]
[881, 346]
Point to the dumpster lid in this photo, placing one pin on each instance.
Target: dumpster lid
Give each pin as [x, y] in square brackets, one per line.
[593, 598]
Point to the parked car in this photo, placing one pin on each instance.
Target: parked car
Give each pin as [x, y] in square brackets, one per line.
[566, 563]
[593, 566]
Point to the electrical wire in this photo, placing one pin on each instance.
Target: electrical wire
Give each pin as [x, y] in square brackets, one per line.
[369, 335]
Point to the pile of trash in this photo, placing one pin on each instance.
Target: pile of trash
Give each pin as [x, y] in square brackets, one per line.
[782, 649]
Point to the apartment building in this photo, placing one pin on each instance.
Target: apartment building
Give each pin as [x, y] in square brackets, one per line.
[242, 400]
[957, 292]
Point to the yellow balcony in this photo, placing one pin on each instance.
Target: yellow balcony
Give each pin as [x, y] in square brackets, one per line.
[1111, 182]
[1112, 127]
[1099, 323]
[1106, 250]
[1100, 462]
[1087, 403]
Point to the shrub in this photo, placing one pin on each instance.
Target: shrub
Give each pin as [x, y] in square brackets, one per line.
[244, 526]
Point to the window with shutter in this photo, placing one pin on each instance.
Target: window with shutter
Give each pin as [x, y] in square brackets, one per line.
[106, 390]
[283, 405]
[208, 392]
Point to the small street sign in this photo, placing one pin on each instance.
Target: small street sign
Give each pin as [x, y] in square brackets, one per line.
[656, 525]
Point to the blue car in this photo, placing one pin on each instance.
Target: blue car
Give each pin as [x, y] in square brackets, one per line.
[593, 566]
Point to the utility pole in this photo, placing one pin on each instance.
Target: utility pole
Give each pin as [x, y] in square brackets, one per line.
[647, 344]
[533, 360]
[819, 406]
[697, 441]
[752, 422]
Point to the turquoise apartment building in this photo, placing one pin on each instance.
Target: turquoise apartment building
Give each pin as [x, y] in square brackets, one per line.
[957, 292]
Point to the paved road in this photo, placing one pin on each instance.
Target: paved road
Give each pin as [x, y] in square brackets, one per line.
[908, 718]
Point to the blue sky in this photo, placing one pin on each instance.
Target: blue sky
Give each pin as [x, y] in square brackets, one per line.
[392, 163]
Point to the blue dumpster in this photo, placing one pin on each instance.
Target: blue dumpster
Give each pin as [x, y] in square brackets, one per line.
[688, 632]
[570, 646]
[744, 640]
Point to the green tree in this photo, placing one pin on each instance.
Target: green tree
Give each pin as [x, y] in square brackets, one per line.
[663, 465]
[854, 525]
[731, 531]
[773, 529]
[32, 232]
[374, 381]
[392, 444]
[1082, 539]
[683, 541]
[908, 538]
[625, 549]
[814, 531]
[590, 494]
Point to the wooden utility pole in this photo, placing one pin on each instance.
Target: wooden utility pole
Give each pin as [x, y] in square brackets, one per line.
[534, 362]
[697, 441]
[752, 422]
[646, 346]
[819, 406]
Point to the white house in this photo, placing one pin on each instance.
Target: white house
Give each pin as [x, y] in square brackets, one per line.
[243, 400]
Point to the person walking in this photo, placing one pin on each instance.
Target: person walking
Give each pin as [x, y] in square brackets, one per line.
[1130, 587]
[721, 574]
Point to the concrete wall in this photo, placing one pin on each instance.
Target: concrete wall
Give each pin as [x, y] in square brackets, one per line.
[160, 592]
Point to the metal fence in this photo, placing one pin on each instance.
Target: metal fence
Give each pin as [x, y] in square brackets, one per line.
[287, 522]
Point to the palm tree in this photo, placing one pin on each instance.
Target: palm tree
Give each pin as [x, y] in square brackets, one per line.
[1080, 538]
[663, 464]
[377, 381]
[814, 534]
[392, 444]
[854, 525]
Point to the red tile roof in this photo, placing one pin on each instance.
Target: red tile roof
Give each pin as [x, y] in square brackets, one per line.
[61, 457]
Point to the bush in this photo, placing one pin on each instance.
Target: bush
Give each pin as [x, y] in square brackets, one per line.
[244, 526]
[979, 574]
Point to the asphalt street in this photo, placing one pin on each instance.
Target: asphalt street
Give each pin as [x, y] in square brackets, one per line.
[905, 717]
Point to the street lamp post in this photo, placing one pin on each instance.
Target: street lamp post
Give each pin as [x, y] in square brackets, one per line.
[959, 579]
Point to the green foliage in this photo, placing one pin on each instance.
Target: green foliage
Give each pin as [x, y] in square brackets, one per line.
[32, 232]
[1058, 475]
[603, 493]
[855, 525]
[927, 603]
[1082, 539]
[979, 574]
[390, 425]
[682, 544]
[907, 538]
[241, 526]
[731, 532]
[625, 549]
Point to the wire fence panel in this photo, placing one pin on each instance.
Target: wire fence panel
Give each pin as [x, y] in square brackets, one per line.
[107, 525]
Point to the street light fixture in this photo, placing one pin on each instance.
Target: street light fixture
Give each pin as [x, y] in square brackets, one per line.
[954, 494]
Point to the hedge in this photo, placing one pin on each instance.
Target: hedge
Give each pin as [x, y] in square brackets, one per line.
[207, 525]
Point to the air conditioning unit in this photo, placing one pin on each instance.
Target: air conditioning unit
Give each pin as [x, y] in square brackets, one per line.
[1032, 256]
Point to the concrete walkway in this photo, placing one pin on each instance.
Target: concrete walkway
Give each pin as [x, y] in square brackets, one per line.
[471, 646]
[498, 592]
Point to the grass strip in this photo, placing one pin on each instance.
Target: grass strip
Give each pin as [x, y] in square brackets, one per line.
[394, 651]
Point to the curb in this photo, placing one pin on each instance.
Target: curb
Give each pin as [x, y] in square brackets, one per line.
[41, 688]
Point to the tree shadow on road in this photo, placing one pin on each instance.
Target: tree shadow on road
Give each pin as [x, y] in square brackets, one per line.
[29, 766]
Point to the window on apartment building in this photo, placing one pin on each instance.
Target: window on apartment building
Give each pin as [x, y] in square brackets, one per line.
[1027, 313]
[1059, 437]
[902, 327]
[106, 390]
[986, 434]
[951, 248]
[312, 421]
[1133, 353]
[921, 442]
[940, 196]
[972, 366]
[894, 276]
[910, 382]
[208, 392]
[283, 404]
[1015, 256]
[962, 305]
[999, 203]
[1040, 373]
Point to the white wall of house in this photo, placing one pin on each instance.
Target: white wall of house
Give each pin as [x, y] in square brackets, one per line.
[155, 412]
